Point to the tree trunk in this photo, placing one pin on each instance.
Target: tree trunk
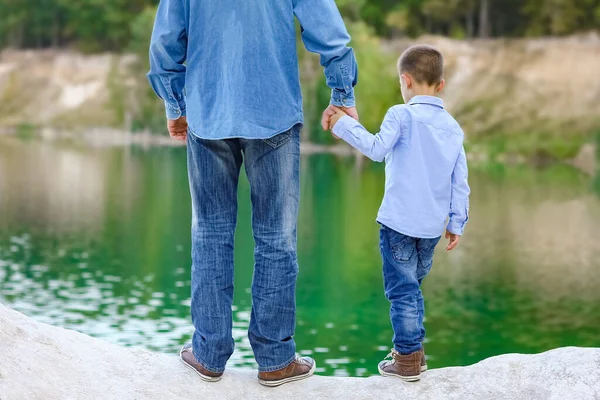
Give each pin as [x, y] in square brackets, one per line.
[484, 19]
[470, 22]
[16, 40]
[55, 31]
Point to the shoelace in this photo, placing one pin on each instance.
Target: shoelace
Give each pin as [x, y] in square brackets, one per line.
[300, 360]
[391, 356]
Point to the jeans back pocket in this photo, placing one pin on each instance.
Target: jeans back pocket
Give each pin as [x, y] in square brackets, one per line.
[279, 140]
[403, 247]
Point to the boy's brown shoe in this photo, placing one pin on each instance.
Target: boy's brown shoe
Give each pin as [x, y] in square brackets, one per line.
[300, 368]
[405, 367]
[189, 360]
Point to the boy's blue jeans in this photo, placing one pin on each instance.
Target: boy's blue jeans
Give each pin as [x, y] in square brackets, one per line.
[272, 166]
[406, 262]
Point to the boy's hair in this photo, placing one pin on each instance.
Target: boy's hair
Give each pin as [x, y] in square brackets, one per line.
[424, 63]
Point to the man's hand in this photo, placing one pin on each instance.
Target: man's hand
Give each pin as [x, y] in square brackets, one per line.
[351, 111]
[453, 240]
[331, 110]
[178, 128]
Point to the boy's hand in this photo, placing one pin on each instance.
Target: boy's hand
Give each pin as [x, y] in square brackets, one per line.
[178, 128]
[454, 239]
[339, 113]
[330, 111]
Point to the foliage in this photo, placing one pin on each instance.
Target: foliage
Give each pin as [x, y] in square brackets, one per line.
[91, 25]
[149, 113]
[559, 17]
[98, 25]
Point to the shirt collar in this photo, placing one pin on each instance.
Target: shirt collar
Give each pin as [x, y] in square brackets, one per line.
[431, 100]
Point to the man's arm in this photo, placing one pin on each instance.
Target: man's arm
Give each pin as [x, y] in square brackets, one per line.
[459, 201]
[168, 52]
[376, 147]
[324, 32]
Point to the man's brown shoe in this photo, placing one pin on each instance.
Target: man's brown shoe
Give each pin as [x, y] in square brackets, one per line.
[405, 367]
[300, 368]
[189, 360]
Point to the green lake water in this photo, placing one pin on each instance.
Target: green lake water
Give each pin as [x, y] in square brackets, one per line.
[98, 240]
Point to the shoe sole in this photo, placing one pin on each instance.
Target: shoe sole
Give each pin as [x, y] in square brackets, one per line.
[290, 379]
[404, 378]
[203, 377]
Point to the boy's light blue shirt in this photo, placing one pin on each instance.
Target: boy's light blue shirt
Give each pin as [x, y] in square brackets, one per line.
[426, 177]
[238, 65]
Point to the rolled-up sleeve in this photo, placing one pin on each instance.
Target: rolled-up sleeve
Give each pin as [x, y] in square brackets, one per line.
[324, 32]
[168, 52]
[459, 202]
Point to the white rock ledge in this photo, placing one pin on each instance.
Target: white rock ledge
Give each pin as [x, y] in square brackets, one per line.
[38, 361]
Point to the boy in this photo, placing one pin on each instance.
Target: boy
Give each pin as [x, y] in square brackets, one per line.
[426, 181]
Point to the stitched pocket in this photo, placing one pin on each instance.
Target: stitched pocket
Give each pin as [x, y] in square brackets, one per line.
[279, 140]
[402, 246]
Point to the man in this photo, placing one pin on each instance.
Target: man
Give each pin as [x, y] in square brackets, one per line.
[237, 100]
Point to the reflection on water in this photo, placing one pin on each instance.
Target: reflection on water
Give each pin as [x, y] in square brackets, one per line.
[98, 241]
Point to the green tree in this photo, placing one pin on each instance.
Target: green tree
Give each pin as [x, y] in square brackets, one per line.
[92, 25]
[560, 17]
[148, 113]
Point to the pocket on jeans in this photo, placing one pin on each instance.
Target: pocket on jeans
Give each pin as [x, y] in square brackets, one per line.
[191, 135]
[402, 246]
[425, 254]
[279, 140]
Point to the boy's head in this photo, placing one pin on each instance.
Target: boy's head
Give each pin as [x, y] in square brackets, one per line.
[421, 70]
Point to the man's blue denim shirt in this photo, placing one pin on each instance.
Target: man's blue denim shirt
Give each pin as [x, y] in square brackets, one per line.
[426, 176]
[232, 68]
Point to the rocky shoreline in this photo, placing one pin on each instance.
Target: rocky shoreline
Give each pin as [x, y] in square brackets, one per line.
[39, 361]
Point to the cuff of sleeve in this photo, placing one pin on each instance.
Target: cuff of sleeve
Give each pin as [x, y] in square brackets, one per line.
[342, 126]
[175, 111]
[456, 227]
[341, 98]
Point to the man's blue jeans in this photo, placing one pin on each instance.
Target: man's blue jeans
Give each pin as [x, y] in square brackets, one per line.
[406, 262]
[272, 167]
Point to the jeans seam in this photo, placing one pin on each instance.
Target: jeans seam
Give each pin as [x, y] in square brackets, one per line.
[277, 367]
[205, 366]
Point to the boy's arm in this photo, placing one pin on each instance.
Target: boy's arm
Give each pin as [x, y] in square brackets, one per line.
[168, 51]
[376, 147]
[459, 201]
[324, 32]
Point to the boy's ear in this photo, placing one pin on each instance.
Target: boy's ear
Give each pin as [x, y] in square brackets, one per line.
[407, 80]
[441, 85]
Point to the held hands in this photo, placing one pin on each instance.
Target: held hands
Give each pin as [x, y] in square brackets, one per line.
[339, 113]
[178, 128]
[332, 114]
[453, 240]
